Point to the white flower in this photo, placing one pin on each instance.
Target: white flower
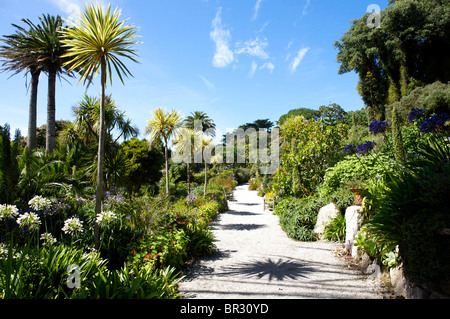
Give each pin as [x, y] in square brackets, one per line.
[8, 211]
[29, 219]
[73, 226]
[106, 218]
[40, 203]
[48, 239]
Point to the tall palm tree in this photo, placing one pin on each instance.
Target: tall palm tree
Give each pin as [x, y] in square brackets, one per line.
[17, 56]
[185, 146]
[164, 125]
[208, 126]
[49, 52]
[96, 42]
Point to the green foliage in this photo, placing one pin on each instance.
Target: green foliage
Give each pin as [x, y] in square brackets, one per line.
[335, 230]
[357, 167]
[298, 217]
[309, 148]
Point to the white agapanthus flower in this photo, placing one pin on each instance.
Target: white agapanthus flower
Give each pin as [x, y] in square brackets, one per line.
[29, 219]
[40, 203]
[73, 226]
[48, 239]
[106, 218]
[8, 211]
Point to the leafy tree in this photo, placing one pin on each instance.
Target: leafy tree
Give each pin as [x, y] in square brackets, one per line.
[308, 149]
[143, 166]
[332, 114]
[305, 112]
[164, 125]
[97, 42]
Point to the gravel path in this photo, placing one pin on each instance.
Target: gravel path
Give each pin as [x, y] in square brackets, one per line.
[256, 260]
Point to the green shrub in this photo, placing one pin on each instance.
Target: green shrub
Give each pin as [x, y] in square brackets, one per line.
[298, 217]
[335, 230]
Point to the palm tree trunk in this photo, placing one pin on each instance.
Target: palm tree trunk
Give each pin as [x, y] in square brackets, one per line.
[101, 154]
[51, 104]
[31, 140]
[206, 178]
[188, 177]
[167, 168]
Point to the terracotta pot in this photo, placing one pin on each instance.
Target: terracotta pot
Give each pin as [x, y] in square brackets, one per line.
[357, 193]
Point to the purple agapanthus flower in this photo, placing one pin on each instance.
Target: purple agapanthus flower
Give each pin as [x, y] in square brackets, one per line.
[378, 126]
[350, 149]
[434, 123]
[416, 114]
[365, 147]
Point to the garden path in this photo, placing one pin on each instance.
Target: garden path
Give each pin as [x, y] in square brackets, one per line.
[256, 260]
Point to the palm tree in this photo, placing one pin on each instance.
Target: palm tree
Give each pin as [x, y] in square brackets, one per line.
[17, 56]
[96, 42]
[49, 54]
[164, 125]
[185, 146]
[208, 126]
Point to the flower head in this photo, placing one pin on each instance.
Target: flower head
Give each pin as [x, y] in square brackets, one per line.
[106, 218]
[434, 123]
[415, 114]
[365, 147]
[40, 203]
[191, 198]
[30, 220]
[8, 211]
[350, 149]
[73, 226]
[48, 239]
[378, 126]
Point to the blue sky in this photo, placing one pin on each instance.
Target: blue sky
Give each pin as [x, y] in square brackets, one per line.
[236, 60]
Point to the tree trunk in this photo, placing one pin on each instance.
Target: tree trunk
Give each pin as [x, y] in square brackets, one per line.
[188, 177]
[51, 105]
[167, 168]
[31, 139]
[206, 178]
[101, 154]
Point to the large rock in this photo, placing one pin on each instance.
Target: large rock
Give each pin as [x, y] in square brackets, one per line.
[326, 215]
[353, 220]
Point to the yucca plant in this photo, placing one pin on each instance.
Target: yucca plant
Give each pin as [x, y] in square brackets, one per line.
[96, 43]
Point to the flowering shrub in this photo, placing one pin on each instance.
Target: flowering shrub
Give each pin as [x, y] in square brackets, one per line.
[8, 211]
[48, 239]
[378, 127]
[191, 199]
[105, 219]
[73, 226]
[30, 220]
[40, 203]
[416, 114]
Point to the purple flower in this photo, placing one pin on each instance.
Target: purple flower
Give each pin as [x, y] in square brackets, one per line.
[434, 123]
[350, 149]
[415, 114]
[378, 126]
[365, 148]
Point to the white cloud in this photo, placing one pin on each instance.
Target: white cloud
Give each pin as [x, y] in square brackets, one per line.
[253, 47]
[207, 82]
[298, 59]
[269, 66]
[305, 8]
[221, 37]
[253, 69]
[256, 9]
[70, 7]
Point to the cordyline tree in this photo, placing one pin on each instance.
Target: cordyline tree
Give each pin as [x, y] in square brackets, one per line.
[96, 43]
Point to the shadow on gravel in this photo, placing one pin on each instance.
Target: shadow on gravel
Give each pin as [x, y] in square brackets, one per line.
[241, 227]
[279, 270]
[238, 213]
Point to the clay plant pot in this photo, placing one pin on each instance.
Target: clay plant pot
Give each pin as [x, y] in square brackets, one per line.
[358, 195]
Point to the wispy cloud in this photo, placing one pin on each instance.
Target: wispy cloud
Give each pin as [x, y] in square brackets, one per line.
[223, 55]
[305, 8]
[268, 65]
[253, 69]
[253, 47]
[208, 84]
[256, 9]
[298, 59]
